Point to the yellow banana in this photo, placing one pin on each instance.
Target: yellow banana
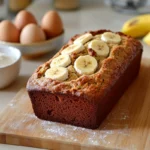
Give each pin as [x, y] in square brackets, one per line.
[146, 39]
[137, 26]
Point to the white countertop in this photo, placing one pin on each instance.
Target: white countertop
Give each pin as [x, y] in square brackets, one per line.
[89, 17]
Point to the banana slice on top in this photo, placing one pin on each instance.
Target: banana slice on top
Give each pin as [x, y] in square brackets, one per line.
[74, 48]
[61, 61]
[110, 37]
[100, 47]
[57, 73]
[84, 38]
[85, 65]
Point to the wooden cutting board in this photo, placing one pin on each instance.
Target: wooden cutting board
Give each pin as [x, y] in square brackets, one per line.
[127, 127]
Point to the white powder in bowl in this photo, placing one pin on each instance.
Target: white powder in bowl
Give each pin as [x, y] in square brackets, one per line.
[5, 60]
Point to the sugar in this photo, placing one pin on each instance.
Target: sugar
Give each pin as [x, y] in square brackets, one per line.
[5, 60]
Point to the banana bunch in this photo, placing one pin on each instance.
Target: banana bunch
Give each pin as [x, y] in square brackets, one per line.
[138, 27]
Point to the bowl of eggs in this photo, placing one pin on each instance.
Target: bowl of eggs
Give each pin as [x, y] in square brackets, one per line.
[32, 39]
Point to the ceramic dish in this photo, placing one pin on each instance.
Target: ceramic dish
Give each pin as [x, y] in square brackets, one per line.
[9, 72]
[37, 49]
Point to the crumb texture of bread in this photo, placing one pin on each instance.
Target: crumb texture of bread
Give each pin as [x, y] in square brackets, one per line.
[85, 100]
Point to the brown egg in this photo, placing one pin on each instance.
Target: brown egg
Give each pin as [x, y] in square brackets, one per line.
[23, 18]
[8, 32]
[32, 33]
[52, 24]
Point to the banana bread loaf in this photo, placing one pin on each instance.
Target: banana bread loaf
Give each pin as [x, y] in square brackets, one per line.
[83, 81]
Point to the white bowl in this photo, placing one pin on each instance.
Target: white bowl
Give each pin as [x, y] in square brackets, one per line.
[37, 49]
[9, 72]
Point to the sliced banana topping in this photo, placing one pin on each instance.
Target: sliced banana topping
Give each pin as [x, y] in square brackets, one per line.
[75, 48]
[85, 65]
[111, 37]
[83, 38]
[62, 68]
[98, 36]
[99, 47]
[57, 73]
[61, 61]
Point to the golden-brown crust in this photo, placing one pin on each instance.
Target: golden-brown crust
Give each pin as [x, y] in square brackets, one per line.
[92, 86]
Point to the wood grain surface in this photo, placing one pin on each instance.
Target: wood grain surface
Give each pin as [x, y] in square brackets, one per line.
[127, 127]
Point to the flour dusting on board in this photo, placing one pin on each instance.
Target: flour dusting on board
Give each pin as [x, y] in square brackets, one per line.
[102, 136]
[97, 137]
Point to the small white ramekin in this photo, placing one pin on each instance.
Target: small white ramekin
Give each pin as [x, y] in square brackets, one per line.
[9, 72]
